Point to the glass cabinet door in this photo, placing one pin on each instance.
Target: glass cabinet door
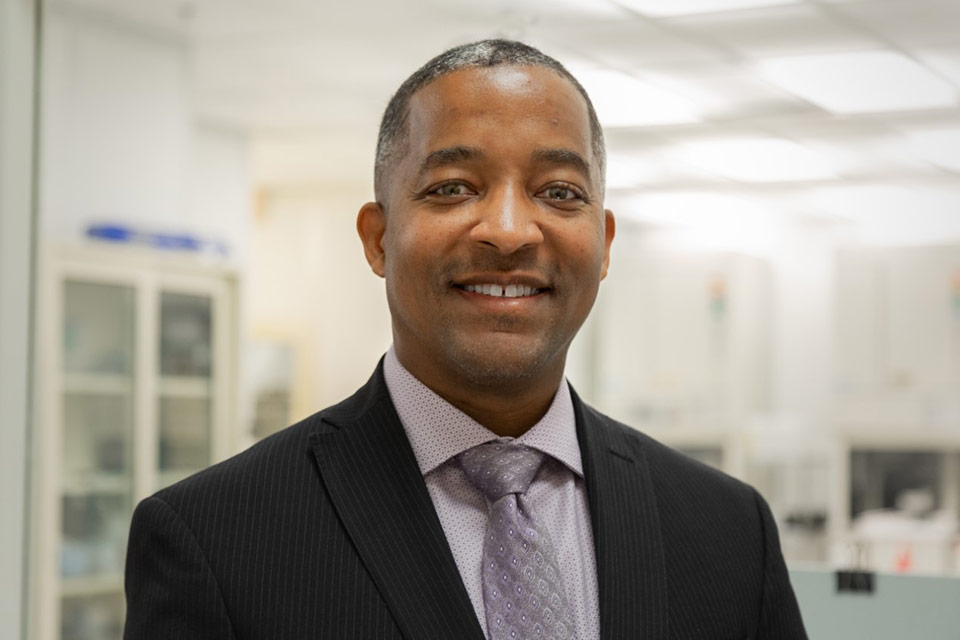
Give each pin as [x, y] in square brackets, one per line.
[96, 470]
[185, 385]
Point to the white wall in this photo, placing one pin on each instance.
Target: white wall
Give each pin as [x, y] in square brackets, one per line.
[119, 139]
[310, 287]
[16, 254]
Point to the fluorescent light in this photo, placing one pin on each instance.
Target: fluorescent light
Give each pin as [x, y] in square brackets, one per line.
[624, 101]
[663, 8]
[865, 203]
[708, 220]
[938, 146]
[892, 214]
[860, 82]
[697, 209]
[757, 160]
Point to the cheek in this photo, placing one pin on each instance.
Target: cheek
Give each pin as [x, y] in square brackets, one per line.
[423, 247]
[586, 246]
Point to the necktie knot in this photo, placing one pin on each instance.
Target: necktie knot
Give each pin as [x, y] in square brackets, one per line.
[498, 469]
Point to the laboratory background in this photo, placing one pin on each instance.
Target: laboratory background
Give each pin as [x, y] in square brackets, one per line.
[180, 274]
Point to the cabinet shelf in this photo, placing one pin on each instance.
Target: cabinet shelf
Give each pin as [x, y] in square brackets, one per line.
[96, 483]
[904, 437]
[97, 383]
[91, 586]
[184, 386]
[172, 476]
[113, 427]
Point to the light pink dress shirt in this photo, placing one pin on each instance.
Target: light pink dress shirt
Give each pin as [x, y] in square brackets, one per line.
[557, 498]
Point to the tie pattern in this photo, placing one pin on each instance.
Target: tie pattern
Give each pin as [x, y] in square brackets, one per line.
[523, 593]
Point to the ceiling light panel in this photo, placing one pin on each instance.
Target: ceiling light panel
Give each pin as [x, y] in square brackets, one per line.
[757, 160]
[651, 168]
[706, 220]
[664, 8]
[727, 95]
[623, 101]
[695, 208]
[938, 146]
[860, 82]
[892, 214]
[861, 157]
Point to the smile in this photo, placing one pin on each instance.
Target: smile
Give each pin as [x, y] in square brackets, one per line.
[498, 291]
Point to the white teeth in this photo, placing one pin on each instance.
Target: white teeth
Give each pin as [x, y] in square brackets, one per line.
[509, 291]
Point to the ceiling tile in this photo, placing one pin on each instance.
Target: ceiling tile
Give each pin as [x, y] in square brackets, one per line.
[530, 10]
[625, 44]
[944, 61]
[728, 95]
[774, 31]
[908, 22]
[869, 156]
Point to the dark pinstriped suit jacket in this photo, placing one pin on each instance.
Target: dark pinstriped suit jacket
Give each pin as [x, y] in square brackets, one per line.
[326, 530]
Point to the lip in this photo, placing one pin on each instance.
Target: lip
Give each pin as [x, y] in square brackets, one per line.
[503, 279]
[503, 304]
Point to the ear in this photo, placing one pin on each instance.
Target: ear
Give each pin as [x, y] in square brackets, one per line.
[371, 225]
[609, 230]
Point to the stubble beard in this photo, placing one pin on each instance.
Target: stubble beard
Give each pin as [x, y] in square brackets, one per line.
[503, 360]
[506, 352]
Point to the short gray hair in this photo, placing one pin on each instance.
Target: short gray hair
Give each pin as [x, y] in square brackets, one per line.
[485, 53]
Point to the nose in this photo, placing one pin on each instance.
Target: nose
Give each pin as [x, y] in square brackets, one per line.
[508, 221]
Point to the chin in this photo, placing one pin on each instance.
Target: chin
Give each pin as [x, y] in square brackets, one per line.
[495, 363]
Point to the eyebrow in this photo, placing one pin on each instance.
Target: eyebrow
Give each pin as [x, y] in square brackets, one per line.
[460, 153]
[563, 157]
[448, 156]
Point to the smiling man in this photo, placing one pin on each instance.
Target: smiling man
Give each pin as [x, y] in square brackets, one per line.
[465, 491]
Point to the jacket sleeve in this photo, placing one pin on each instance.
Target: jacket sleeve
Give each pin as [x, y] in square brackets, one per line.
[779, 613]
[171, 591]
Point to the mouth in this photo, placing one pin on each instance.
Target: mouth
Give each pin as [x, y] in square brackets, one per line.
[502, 291]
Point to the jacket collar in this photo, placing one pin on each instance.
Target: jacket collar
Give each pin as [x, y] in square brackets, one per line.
[373, 480]
[631, 571]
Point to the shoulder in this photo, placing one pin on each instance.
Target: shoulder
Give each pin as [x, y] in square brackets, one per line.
[278, 462]
[683, 485]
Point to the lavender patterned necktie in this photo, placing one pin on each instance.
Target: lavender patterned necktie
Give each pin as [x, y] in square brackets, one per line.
[523, 593]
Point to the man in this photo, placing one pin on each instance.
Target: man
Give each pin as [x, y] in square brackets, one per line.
[465, 491]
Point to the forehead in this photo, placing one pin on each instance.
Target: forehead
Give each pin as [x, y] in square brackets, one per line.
[523, 105]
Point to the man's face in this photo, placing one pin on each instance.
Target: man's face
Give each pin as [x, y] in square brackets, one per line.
[495, 237]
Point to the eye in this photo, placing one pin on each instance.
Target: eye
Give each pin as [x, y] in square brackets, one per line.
[562, 193]
[451, 190]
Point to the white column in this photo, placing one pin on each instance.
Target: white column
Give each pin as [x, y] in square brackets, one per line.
[17, 239]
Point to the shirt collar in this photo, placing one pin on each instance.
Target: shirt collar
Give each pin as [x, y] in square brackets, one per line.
[438, 431]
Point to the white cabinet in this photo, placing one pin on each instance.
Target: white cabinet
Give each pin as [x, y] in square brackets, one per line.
[898, 337]
[135, 389]
[682, 348]
[897, 414]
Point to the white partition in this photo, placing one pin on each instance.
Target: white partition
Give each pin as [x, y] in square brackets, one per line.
[17, 79]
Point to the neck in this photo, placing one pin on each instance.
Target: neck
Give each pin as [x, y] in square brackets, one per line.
[508, 408]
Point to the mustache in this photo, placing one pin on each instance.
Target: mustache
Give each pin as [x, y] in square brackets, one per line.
[493, 263]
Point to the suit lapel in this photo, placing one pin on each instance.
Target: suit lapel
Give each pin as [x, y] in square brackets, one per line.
[373, 480]
[631, 572]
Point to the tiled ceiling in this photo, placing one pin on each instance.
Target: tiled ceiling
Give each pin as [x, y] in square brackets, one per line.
[309, 69]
